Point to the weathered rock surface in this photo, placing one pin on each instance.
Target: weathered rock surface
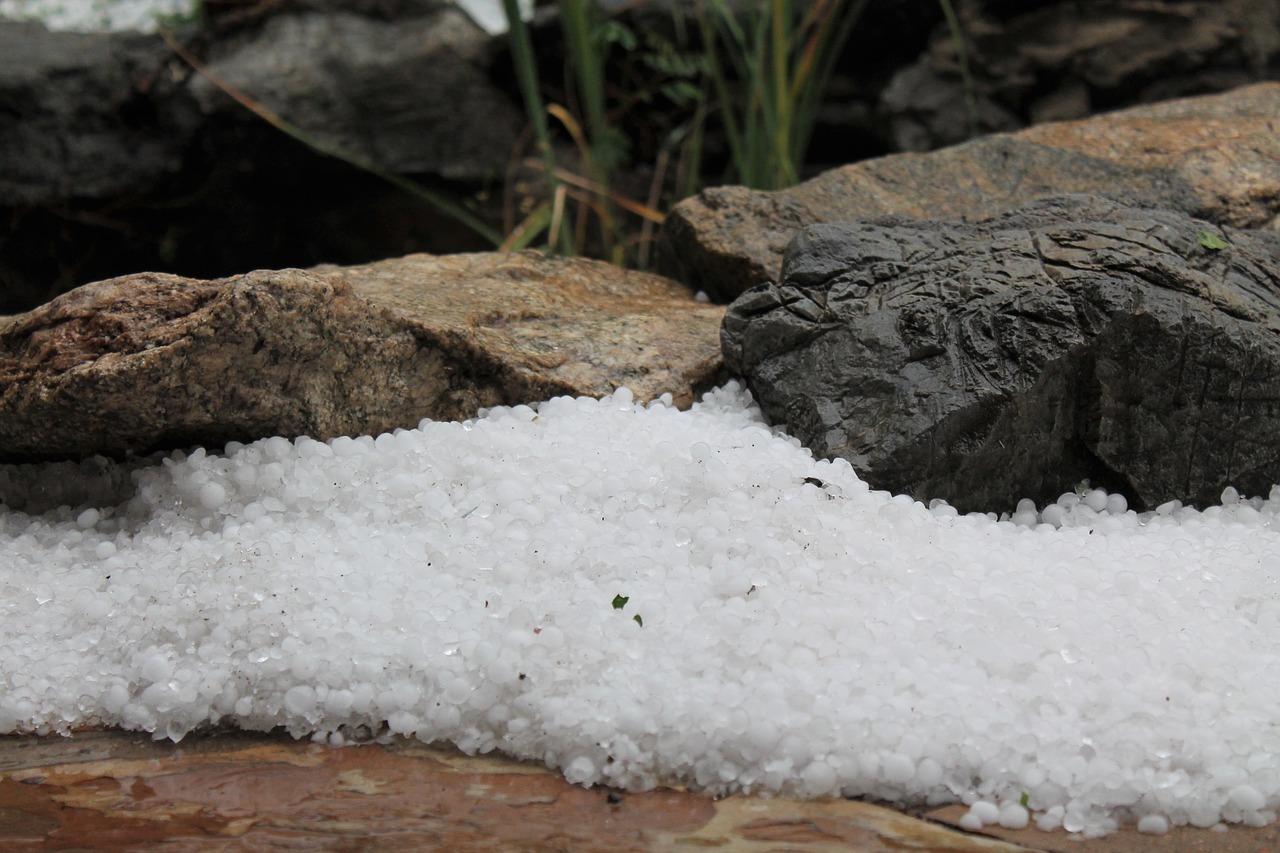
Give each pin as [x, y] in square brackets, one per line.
[982, 363]
[84, 116]
[382, 90]
[114, 791]
[117, 791]
[1215, 157]
[118, 156]
[155, 361]
[1055, 61]
[103, 114]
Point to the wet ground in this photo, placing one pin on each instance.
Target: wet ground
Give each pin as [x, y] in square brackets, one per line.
[118, 791]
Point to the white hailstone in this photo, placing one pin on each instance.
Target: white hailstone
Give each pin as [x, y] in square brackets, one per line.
[212, 495]
[157, 668]
[1095, 499]
[1247, 797]
[985, 812]
[1153, 824]
[818, 779]
[1013, 816]
[300, 700]
[580, 771]
[899, 769]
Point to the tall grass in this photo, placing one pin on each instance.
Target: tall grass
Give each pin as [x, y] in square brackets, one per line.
[759, 74]
[781, 53]
[600, 147]
[762, 70]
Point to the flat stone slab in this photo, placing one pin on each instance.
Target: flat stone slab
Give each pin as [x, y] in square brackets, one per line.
[154, 362]
[121, 791]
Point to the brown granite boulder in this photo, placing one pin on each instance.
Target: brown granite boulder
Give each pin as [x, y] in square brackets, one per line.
[1216, 158]
[154, 361]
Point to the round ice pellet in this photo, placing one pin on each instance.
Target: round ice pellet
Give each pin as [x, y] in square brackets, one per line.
[212, 495]
[300, 699]
[1096, 500]
[1013, 816]
[899, 769]
[1153, 824]
[1247, 797]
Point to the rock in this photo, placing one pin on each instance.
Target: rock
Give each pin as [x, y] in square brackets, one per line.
[118, 156]
[111, 790]
[1215, 157]
[981, 363]
[87, 114]
[1065, 60]
[408, 94]
[154, 361]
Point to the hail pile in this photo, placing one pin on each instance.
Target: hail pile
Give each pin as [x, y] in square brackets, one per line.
[640, 596]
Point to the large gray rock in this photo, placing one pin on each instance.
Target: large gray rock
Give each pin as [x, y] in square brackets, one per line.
[1215, 157]
[410, 95]
[1066, 59]
[116, 156]
[153, 362]
[981, 363]
[97, 115]
[86, 114]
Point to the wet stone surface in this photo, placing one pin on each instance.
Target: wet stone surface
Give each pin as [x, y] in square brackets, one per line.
[119, 791]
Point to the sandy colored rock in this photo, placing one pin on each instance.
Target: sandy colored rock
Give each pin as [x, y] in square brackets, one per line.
[1214, 157]
[153, 361]
[116, 791]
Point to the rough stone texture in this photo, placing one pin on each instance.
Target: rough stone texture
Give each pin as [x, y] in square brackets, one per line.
[86, 115]
[155, 361]
[1075, 338]
[1053, 61]
[113, 791]
[116, 791]
[118, 157]
[98, 115]
[410, 94]
[1215, 157]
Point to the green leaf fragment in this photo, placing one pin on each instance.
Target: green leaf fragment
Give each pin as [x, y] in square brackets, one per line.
[639, 621]
[620, 601]
[1211, 241]
[1024, 799]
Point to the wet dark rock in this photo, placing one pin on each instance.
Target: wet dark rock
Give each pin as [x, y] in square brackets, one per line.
[119, 157]
[1067, 59]
[86, 114]
[1075, 338]
[410, 94]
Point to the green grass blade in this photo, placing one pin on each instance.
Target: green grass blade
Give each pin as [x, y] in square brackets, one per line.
[527, 77]
[834, 38]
